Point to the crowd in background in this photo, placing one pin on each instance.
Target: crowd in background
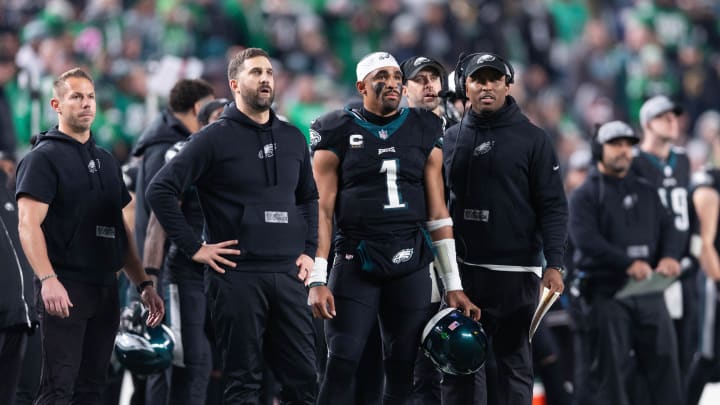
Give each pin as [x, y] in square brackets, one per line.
[580, 62]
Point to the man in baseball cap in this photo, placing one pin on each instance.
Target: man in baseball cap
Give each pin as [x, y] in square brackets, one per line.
[491, 61]
[621, 231]
[423, 78]
[668, 169]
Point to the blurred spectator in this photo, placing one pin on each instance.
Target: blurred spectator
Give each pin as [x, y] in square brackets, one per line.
[569, 46]
[7, 127]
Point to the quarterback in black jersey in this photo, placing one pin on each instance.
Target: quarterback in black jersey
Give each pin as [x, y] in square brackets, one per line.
[379, 175]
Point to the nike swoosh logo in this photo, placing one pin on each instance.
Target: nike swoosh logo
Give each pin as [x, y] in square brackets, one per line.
[556, 167]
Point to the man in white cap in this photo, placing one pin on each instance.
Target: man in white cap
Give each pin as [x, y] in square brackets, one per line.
[667, 167]
[379, 175]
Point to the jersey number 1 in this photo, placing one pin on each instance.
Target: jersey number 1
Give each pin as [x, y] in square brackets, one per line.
[390, 168]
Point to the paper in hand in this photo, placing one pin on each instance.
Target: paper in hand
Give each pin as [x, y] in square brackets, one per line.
[653, 284]
[546, 301]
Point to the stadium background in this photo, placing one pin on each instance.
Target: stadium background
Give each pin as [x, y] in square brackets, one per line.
[578, 62]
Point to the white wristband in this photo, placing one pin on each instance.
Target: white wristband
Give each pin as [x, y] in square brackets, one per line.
[319, 271]
[438, 223]
[446, 264]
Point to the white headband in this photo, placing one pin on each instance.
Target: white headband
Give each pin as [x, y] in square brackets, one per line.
[374, 61]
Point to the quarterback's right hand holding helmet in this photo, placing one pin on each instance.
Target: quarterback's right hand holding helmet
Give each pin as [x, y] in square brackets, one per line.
[455, 343]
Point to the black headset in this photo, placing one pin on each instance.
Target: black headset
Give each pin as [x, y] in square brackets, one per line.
[462, 65]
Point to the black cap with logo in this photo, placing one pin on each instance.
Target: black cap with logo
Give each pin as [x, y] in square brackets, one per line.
[412, 66]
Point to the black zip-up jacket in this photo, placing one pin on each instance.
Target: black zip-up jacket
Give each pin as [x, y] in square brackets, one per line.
[84, 189]
[255, 185]
[614, 221]
[506, 194]
[163, 132]
[17, 303]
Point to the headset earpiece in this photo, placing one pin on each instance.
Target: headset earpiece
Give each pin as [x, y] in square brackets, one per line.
[460, 68]
[509, 78]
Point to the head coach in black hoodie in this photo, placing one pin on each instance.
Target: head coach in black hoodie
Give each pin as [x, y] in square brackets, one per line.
[70, 197]
[254, 181]
[509, 208]
[621, 231]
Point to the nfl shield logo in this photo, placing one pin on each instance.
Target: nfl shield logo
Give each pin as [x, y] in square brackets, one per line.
[383, 134]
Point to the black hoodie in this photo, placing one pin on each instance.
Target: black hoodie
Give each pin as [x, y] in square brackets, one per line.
[83, 186]
[163, 132]
[254, 183]
[506, 193]
[614, 221]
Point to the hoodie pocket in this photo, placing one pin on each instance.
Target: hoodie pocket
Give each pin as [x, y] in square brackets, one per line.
[271, 230]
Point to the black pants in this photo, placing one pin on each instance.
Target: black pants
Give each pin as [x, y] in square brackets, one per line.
[12, 349]
[547, 365]
[189, 384]
[30, 375]
[507, 300]
[400, 304]
[705, 367]
[618, 328]
[77, 349]
[261, 317]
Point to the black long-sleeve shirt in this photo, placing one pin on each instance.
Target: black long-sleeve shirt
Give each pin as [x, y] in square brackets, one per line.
[614, 221]
[506, 193]
[254, 183]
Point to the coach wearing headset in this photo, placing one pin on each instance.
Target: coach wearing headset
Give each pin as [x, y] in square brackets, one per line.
[509, 209]
[622, 231]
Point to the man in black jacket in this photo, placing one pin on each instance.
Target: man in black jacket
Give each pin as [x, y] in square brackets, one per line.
[509, 209]
[70, 197]
[174, 124]
[17, 305]
[621, 231]
[254, 182]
